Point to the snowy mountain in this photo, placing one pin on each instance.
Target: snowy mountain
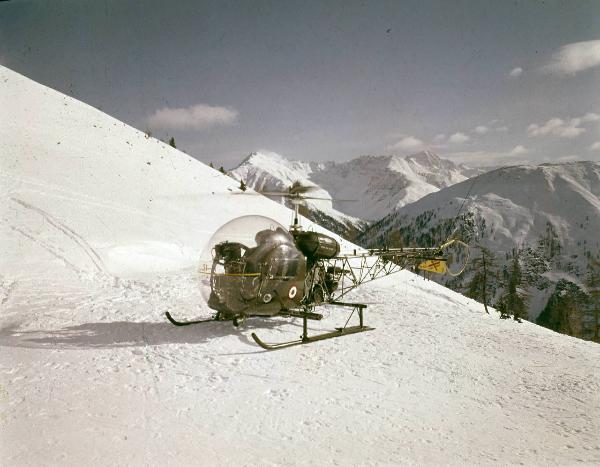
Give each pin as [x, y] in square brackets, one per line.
[376, 184]
[100, 231]
[550, 213]
[271, 172]
[133, 203]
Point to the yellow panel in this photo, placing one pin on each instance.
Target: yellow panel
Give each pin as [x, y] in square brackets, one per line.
[434, 265]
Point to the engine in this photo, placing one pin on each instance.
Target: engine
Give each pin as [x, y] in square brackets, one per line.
[317, 246]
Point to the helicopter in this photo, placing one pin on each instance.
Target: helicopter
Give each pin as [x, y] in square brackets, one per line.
[255, 267]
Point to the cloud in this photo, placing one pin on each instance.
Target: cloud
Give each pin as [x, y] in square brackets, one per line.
[590, 117]
[515, 72]
[575, 57]
[518, 151]
[497, 125]
[491, 158]
[568, 158]
[481, 158]
[481, 129]
[458, 138]
[196, 117]
[595, 146]
[439, 138]
[408, 143]
[562, 128]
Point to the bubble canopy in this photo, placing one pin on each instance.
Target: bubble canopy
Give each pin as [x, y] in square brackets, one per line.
[240, 230]
[238, 235]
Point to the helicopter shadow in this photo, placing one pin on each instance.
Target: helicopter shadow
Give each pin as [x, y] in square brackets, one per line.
[128, 334]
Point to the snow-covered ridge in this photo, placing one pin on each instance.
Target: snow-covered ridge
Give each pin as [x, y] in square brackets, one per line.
[378, 184]
[519, 201]
[515, 208]
[84, 194]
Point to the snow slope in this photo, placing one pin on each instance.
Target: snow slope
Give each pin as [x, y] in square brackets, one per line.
[85, 195]
[379, 184]
[100, 378]
[514, 207]
[97, 244]
[519, 201]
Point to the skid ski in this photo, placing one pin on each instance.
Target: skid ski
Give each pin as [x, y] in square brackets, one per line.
[187, 323]
[307, 340]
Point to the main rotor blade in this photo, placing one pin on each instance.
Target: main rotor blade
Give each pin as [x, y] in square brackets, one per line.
[275, 193]
[285, 194]
[314, 197]
[329, 199]
[298, 188]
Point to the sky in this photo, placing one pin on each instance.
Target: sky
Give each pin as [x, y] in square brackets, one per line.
[485, 83]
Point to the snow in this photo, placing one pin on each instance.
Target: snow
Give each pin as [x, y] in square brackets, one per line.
[518, 203]
[103, 379]
[376, 184]
[85, 191]
[97, 245]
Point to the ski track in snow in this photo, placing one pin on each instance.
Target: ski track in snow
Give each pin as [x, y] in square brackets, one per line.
[101, 377]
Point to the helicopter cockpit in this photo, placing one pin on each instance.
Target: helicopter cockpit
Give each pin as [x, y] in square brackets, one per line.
[265, 273]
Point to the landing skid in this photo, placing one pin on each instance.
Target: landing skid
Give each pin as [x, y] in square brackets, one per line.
[187, 323]
[328, 335]
[306, 339]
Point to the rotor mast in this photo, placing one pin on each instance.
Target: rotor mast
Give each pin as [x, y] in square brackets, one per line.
[296, 227]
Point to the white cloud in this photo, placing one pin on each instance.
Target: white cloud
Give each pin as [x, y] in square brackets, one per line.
[590, 117]
[497, 125]
[568, 158]
[408, 143]
[439, 138]
[196, 117]
[575, 57]
[518, 151]
[516, 72]
[595, 146]
[481, 129]
[491, 158]
[458, 138]
[562, 128]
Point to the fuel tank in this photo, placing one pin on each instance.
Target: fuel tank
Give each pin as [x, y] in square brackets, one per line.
[317, 245]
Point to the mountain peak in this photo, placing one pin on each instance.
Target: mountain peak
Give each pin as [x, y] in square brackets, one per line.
[261, 156]
[379, 184]
[425, 157]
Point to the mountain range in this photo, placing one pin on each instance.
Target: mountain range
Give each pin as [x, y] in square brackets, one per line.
[358, 191]
[547, 215]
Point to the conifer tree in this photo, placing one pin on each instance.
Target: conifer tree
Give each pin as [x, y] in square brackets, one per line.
[222, 170]
[501, 307]
[172, 142]
[593, 285]
[243, 185]
[516, 296]
[211, 165]
[395, 239]
[481, 285]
